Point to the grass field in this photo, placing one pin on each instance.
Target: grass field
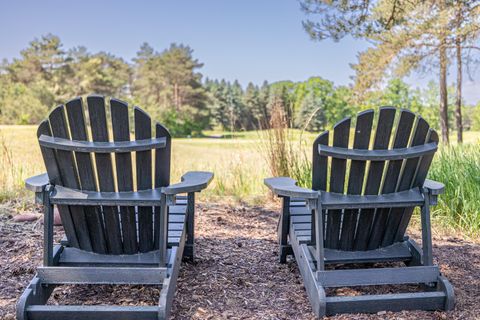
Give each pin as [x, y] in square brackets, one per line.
[240, 168]
[237, 163]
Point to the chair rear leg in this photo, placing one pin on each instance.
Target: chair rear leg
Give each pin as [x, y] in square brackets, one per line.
[34, 294]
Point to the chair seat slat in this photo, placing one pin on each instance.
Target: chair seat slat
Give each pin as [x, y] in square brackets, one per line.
[101, 147]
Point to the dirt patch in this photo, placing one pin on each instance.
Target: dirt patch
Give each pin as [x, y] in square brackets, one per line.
[236, 274]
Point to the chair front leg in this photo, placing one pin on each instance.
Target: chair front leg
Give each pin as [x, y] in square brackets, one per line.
[319, 245]
[163, 234]
[282, 230]
[48, 221]
[426, 230]
[189, 251]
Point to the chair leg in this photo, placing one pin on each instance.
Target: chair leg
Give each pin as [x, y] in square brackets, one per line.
[34, 294]
[189, 251]
[47, 228]
[444, 285]
[283, 227]
[426, 231]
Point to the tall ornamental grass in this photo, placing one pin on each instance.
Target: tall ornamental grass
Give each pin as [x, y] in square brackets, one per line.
[458, 167]
[284, 153]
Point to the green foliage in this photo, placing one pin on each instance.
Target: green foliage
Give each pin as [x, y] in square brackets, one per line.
[475, 118]
[180, 124]
[321, 104]
[167, 83]
[19, 104]
[169, 86]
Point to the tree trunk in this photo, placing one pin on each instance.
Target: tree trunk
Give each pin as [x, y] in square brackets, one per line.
[175, 97]
[458, 104]
[443, 92]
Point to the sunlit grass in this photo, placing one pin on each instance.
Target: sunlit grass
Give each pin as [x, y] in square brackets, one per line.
[240, 168]
[458, 167]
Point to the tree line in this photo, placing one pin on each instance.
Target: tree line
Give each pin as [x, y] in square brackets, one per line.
[421, 35]
[170, 86]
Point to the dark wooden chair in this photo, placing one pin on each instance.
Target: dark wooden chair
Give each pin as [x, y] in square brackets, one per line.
[123, 222]
[364, 191]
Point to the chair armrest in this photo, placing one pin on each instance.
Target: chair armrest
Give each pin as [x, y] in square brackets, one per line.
[193, 181]
[434, 187]
[37, 183]
[287, 187]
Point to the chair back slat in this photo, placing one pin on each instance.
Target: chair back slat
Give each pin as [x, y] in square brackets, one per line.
[103, 161]
[162, 175]
[143, 130]
[86, 174]
[398, 160]
[55, 176]
[123, 161]
[363, 130]
[374, 177]
[390, 179]
[405, 182]
[65, 159]
[418, 180]
[341, 133]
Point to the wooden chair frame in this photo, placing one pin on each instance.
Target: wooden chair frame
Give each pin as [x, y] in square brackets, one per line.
[65, 263]
[301, 233]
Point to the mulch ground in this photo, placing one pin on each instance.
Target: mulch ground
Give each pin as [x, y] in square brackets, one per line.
[236, 274]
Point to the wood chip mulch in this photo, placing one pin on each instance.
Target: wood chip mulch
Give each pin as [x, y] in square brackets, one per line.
[236, 274]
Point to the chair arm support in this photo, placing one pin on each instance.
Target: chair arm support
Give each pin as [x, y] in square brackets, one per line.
[193, 181]
[434, 187]
[287, 187]
[37, 183]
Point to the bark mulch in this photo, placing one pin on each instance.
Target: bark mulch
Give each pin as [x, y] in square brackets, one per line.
[236, 274]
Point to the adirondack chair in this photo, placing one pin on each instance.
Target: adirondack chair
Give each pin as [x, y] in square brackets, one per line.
[123, 220]
[363, 195]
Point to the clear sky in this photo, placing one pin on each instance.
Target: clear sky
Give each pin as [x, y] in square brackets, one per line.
[248, 40]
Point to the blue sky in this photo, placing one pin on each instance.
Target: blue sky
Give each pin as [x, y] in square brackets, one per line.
[248, 40]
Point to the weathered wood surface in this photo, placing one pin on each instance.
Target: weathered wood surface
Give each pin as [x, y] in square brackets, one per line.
[101, 147]
[86, 174]
[101, 275]
[77, 220]
[287, 187]
[99, 128]
[388, 170]
[94, 172]
[378, 155]
[393, 302]
[37, 183]
[363, 129]
[375, 173]
[123, 161]
[119, 227]
[322, 305]
[50, 312]
[378, 276]
[192, 181]
[147, 197]
[361, 212]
